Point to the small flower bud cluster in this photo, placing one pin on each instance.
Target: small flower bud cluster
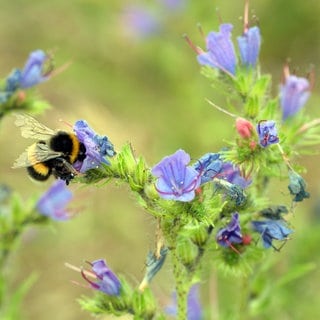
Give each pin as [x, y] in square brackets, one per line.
[37, 69]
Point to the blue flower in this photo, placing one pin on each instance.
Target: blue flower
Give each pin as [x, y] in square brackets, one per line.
[297, 187]
[231, 233]
[106, 280]
[294, 93]
[232, 174]
[267, 132]
[10, 86]
[176, 180]
[173, 5]
[35, 71]
[97, 147]
[211, 165]
[54, 201]
[221, 52]
[154, 264]
[271, 230]
[249, 45]
[139, 22]
[194, 307]
[13, 81]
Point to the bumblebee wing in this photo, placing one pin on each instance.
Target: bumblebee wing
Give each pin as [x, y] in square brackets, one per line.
[36, 153]
[31, 128]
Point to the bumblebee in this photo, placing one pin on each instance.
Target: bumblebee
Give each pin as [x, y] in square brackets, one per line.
[53, 153]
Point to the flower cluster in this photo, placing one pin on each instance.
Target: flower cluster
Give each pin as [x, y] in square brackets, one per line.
[37, 69]
[97, 147]
[208, 209]
[221, 54]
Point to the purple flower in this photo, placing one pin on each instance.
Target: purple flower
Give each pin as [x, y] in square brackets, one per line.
[34, 71]
[231, 233]
[139, 23]
[54, 201]
[294, 93]
[221, 52]
[267, 132]
[212, 166]
[297, 187]
[232, 174]
[173, 4]
[249, 45]
[97, 147]
[209, 166]
[271, 230]
[194, 306]
[176, 180]
[106, 280]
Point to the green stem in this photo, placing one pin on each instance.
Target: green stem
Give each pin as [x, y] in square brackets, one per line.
[182, 287]
[10, 237]
[244, 299]
[182, 275]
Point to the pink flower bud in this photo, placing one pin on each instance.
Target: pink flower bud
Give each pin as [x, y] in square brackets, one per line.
[244, 128]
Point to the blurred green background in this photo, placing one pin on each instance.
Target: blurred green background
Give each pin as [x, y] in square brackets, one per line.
[144, 88]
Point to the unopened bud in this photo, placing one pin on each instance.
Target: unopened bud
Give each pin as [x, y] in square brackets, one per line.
[244, 128]
[186, 251]
[199, 235]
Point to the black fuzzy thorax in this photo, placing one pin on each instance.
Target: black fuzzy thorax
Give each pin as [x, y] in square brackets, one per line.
[63, 142]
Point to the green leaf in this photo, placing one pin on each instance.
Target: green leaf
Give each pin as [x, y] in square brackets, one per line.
[295, 272]
[12, 312]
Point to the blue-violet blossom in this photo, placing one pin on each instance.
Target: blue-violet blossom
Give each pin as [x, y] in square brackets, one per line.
[232, 174]
[231, 233]
[34, 71]
[194, 308]
[294, 93]
[176, 180]
[267, 132]
[106, 280]
[271, 230]
[173, 5]
[97, 147]
[139, 22]
[54, 201]
[221, 53]
[249, 45]
[211, 165]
